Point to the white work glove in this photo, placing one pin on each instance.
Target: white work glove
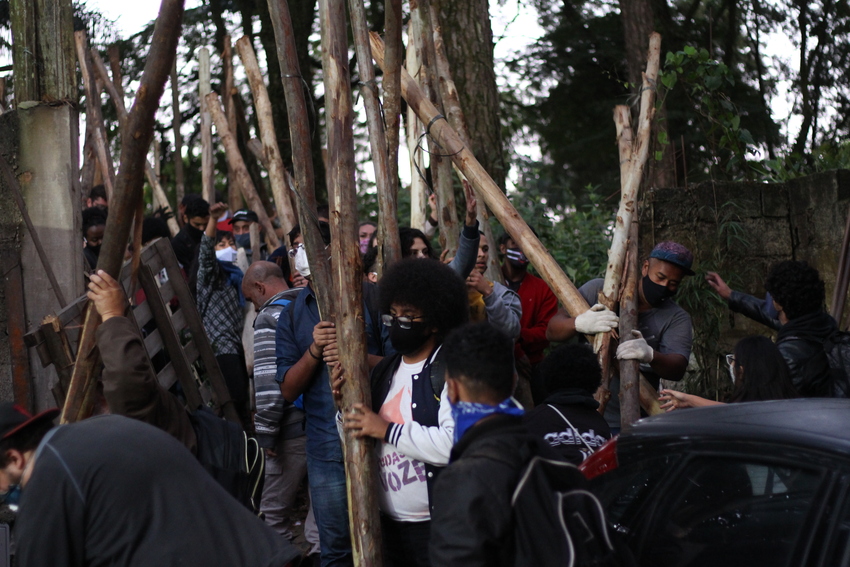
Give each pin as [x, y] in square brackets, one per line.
[597, 319]
[635, 349]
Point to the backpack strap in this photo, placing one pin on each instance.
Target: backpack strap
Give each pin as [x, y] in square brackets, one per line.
[575, 431]
[437, 374]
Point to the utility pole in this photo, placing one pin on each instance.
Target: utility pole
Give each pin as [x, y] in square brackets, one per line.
[47, 168]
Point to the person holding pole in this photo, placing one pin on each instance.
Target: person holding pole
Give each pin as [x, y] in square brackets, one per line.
[421, 301]
[663, 343]
[304, 347]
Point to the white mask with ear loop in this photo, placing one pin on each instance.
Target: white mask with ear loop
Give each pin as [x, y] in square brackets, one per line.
[301, 263]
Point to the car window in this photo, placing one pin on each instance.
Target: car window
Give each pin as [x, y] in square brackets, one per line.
[839, 548]
[624, 490]
[732, 513]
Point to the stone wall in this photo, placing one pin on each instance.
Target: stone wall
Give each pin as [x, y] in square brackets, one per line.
[740, 229]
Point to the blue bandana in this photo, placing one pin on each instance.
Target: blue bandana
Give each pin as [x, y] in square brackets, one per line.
[467, 414]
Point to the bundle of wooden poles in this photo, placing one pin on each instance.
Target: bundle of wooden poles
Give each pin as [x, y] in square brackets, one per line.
[433, 105]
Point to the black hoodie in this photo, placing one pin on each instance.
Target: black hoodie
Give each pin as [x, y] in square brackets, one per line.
[547, 421]
[801, 342]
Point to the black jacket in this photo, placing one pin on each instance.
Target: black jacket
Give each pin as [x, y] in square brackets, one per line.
[801, 342]
[472, 514]
[577, 406]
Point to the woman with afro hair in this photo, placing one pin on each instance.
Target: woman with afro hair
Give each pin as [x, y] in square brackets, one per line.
[421, 301]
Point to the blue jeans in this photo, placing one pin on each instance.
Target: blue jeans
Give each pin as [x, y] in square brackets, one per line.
[330, 506]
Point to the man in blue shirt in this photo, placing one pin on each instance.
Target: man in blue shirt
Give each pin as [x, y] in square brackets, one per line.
[304, 347]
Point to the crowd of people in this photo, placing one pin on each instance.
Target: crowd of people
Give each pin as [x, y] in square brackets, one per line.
[446, 347]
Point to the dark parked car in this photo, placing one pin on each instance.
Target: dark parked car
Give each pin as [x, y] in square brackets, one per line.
[751, 484]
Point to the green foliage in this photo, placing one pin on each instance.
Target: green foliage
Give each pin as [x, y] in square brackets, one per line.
[578, 236]
[706, 82]
[783, 168]
[707, 309]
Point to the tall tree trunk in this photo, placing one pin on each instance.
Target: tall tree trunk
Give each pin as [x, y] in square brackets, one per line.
[638, 25]
[468, 41]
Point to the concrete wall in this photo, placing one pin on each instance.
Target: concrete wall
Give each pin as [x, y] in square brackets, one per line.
[741, 229]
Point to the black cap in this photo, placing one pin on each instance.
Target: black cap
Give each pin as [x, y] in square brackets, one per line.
[244, 215]
[14, 418]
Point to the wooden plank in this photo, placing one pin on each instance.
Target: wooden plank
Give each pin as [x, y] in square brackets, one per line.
[142, 314]
[191, 351]
[154, 342]
[199, 336]
[169, 337]
[167, 376]
[178, 321]
[59, 351]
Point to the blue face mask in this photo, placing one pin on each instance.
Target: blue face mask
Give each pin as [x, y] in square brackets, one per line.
[12, 497]
[467, 414]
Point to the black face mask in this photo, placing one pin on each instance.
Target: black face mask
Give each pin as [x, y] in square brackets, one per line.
[243, 241]
[194, 233]
[408, 341]
[95, 249]
[655, 294]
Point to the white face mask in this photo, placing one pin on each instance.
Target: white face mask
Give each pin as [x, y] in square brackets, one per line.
[301, 263]
[731, 368]
[226, 254]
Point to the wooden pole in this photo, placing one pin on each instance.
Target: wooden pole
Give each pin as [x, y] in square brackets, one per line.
[625, 143]
[240, 171]
[234, 198]
[87, 171]
[388, 239]
[392, 110]
[548, 268]
[414, 129]
[114, 54]
[302, 159]
[360, 464]
[441, 169]
[135, 142]
[630, 369]
[94, 113]
[457, 120]
[631, 182]
[176, 123]
[207, 172]
[152, 177]
[268, 136]
[2, 95]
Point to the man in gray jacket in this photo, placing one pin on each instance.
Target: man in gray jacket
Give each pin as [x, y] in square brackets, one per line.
[279, 425]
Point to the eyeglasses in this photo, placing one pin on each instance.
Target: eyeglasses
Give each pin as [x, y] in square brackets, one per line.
[294, 250]
[403, 322]
[730, 359]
